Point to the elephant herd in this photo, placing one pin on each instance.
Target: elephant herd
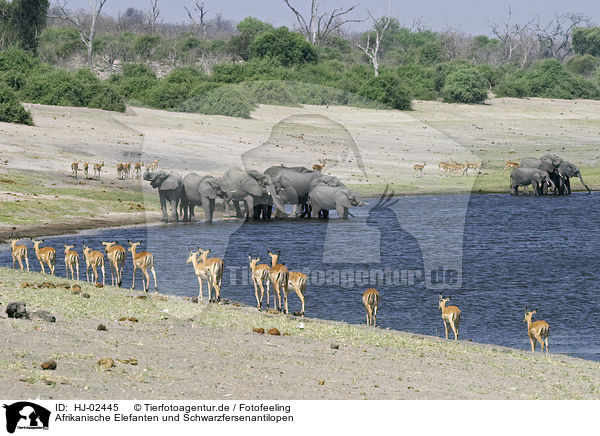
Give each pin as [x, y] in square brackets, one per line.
[548, 174]
[312, 193]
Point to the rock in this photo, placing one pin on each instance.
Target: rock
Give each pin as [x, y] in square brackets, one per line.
[259, 330]
[132, 319]
[274, 332]
[334, 346]
[99, 285]
[47, 285]
[25, 285]
[85, 295]
[142, 297]
[44, 315]
[123, 318]
[321, 382]
[194, 299]
[285, 334]
[106, 362]
[101, 327]
[75, 291]
[66, 286]
[75, 288]
[49, 364]
[17, 309]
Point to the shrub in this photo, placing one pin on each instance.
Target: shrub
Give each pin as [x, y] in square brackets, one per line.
[288, 48]
[585, 65]
[59, 43]
[231, 101]
[165, 95]
[271, 92]
[442, 71]
[11, 111]
[98, 94]
[465, 85]
[420, 81]
[186, 75]
[58, 87]
[586, 40]
[17, 60]
[388, 90]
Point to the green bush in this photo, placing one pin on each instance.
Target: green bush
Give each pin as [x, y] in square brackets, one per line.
[387, 89]
[59, 43]
[585, 65]
[97, 94]
[442, 71]
[11, 111]
[420, 80]
[18, 60]
[186, 75]
[58, 87]
[288, 48]
[232, 101]
[465, 85]
[165, 95]
[586, 40]
[271, 92]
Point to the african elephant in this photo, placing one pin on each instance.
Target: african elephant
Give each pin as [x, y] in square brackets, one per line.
[560, 171]
[325, 197]
[198, 190]
[529, 176]
[255, 189]
[170, 188]
[567, 170]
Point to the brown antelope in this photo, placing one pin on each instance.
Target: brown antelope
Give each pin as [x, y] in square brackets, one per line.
[510, 164]
[93, 259]
[371, 301]
[319, 167]
[419, 168]
[260, 275]
[143, 261]
[138, 169]
[444, 166]
[71, 260]
[97, 169]
[154, 165]
[199, 270]
[120, 171]
[472, 166]
[86, 168]
[279, 277]
[297, 281]
[116, 258]
[127, 169]
[214, 271]
[45, 255]
[538, 331]
[19, 252]
[74, 168]
[450, 315]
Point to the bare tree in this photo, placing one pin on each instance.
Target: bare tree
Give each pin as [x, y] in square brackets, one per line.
[555, 37]
[380, 25]
[198, 17]
[516, 40]
[316, 26]
[78, 20]
[153, 14]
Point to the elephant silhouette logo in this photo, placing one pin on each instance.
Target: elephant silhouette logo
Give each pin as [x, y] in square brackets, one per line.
[26, 415]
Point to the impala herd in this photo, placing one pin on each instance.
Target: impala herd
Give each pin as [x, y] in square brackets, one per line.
[124, 169]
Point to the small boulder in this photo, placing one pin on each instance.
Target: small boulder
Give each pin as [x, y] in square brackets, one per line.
[274, 332]
[25, 285]
[321, 382]
[49, 364]
[334, 346]
[101, 327]
[123, 318]
[106, 362]
[85, 295]
[142, 297]
[133, 319]
[75, 288]
[44, 315]
[17, 309]
[194, 300]
[259, 330]
[99, 285]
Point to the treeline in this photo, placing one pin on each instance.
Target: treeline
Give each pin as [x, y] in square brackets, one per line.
[263, 64]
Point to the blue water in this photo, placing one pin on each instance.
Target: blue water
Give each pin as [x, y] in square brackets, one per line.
[492, 254]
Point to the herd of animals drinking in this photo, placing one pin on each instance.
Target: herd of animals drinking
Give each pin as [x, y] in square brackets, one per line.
[276, 274]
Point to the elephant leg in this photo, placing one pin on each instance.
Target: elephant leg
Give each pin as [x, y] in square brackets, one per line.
[342, 212]
[238, 211]
[257, 211]
[163, 206]
[316, 211]
[268, 211]
[206, 205]
[249, 205]
[174, 214]
[226, 208]
[211, 210]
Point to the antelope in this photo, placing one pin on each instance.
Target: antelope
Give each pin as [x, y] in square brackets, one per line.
[127, 169]
[472, 166]
[214, 271]
[260, 275]
[444, 166]
[318, 167]
[120, 171]
[98, 168]
[143, 260]
[510, 164]
[45, 255]
[71, 260]
[86, 167]
[199, 270]
[371, 301]
[138, 169]
[538, 331]
[279, 277]
[297, 281]
[116, 258]
[153, 165]
[74, 168]
[93, 259]
[419, 168]
[450, 315]
[18, 253]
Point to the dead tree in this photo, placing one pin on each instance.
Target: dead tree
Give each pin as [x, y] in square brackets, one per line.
[198, 17]
[516, 40]
[153, 14]
[555, 37]
[380, 25]
[316, 26]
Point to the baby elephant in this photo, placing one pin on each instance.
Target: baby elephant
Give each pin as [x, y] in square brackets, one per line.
[529, 176]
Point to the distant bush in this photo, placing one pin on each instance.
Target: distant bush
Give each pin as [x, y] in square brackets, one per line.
[288, 48]
[387, 89]
[232, 101]
[17, 60]
[165, 95]
[98, 94]
[586, 40]
[465, 85]
[585, 65]
[11, 111]
[442, 71]
[420, 80]
[271, 92]
[59, 43]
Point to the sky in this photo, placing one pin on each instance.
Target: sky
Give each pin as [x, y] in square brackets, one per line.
[471, 16]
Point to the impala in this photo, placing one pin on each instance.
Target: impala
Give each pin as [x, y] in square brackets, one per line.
[510, 164]
[419, 168]
[18, 253]
[297, 281]
[279, 277]
[120, 171]
[260, 275]
[538, 331]
[199, 270]
[138, 169]
[371, 301]
[86, 168]
[143, 261]
[71, 261]
[45, 255]
[450, 315]
[93, 259]
[127, 169]
[97, 169]
[214, 271]
[116, 258]
[74, 168]
[473, 166]
[153, 165]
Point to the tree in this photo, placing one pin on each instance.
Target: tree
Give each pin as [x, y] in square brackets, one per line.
[77, 19]
[317, 27]
[289, 48]
[153, 14]
[380, 25]
[587, 40]
[27, 20]
[249, 28]
[555, 37]
[516, 40]
[198, 17]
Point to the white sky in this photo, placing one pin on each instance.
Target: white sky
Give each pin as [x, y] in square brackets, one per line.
[472, 16]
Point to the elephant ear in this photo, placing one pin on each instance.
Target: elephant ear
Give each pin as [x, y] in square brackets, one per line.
[250, 185]
[344, 198]
[289, 195]
[170, 181]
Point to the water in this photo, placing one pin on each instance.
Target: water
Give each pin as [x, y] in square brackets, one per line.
[493, 254]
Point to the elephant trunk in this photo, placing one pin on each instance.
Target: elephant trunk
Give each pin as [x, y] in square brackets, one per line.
[276, 200]
[583, 183]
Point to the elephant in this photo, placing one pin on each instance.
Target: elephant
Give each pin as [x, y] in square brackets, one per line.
[323, 197]
[255, 189]
[198, 190]
[170, 189]
[560, 171]
[567, 170]
[529, 176]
